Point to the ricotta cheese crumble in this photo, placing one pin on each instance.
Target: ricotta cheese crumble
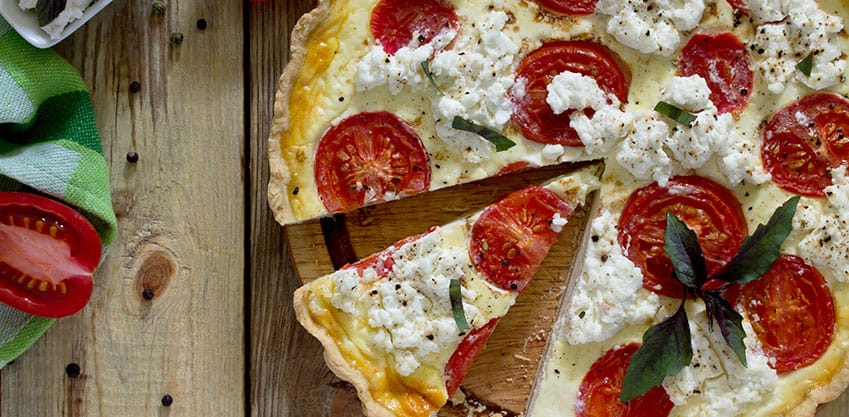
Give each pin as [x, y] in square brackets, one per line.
[651, 26]
[826, 229]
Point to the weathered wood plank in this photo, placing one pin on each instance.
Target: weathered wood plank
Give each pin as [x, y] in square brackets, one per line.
[181, 213]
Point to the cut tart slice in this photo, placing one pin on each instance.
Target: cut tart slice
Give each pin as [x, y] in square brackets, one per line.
[404, 325]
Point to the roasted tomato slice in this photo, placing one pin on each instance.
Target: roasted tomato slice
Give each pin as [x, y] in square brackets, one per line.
[395, 23]
[368, 158]
[462, 358]
[705, 206]
[511, 237]
[723, 61]
[532, 113]
[570, 7]
[598, 394]
[382, 261]
[804, 140]
[792, 312]
[48, 252]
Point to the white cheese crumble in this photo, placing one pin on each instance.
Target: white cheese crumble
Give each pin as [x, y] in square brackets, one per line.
[802, 29]
[475, 75]
[609, 292]
[409, 310]
[716, 384]
[401, 69]
[558, 222]
[764, 11]
[571, 90]
[73, 10]
[826, 231]
[651, 26]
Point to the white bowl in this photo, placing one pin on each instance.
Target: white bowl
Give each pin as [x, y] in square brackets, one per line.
[26, 22]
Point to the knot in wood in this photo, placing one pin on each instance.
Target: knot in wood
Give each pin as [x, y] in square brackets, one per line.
[155, 273]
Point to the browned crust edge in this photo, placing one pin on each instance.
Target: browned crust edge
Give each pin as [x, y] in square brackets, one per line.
[334, 359]
[279, 172]
[823, 395]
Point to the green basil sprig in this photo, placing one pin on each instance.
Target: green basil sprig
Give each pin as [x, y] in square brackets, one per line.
[501, 142]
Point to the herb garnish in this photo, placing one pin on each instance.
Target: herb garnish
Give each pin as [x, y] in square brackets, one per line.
[501, 142]
[666, 347]
[806, 65]
[429, 74]
[674, 113]
[457, 305]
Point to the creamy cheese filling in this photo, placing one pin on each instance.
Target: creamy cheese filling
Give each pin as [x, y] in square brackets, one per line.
[409, 310]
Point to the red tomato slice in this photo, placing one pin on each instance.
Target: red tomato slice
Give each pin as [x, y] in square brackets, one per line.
[598, 395]
[792, 313]
[723, 61]
[461, 360]
[366, 158]
[705, 206]
[532, 113]
[570, 7]
[804, 140]
[394, 23]
[511, 237]
[48, 252]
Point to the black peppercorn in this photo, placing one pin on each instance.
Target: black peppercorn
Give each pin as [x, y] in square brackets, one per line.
[132, 157]
[72, 370]
[201, 24]
[167, 400]
[177, 38]
[135, 87]
[148, 294]
[158, 7]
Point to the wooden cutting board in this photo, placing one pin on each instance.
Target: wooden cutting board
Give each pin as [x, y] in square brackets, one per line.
[502, 376]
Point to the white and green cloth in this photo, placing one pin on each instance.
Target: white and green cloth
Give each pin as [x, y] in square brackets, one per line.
[49, 143]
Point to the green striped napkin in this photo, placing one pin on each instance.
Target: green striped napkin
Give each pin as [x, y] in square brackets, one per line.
[48, 142]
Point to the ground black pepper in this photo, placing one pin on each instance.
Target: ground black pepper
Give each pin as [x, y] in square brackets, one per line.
[201, 24]
[167, 400]
[72, 370]
[135, 87]
[148, 294]
[132, 157]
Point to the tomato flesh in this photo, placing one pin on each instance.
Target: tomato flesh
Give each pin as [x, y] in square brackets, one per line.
[804, 140]
[705, 206]
[462, 358]
[48, 252]
[792, 312]
[723, 61]
[382, 261]
[368, 158]
[569, 7]
[598, 394]
[395, 23]
[511, 237]
[532, 113]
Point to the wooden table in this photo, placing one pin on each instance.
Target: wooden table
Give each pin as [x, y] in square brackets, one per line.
[220, 335]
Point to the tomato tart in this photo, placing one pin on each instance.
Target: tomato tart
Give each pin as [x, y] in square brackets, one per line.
[715, 114]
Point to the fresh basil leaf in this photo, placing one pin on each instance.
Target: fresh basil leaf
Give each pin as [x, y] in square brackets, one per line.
[806, 65]
[761, 249]
[682, 246]
[457, 305]
[501, 142]
[47, 10]
[674, 113]
[665, 350]
[426, 69]
[730, 323]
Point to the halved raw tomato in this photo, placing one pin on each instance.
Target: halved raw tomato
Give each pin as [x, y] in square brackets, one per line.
[394, 23]
[598, 394]
[48, 252]
[705, 206]
[511, 237]
[368, 158]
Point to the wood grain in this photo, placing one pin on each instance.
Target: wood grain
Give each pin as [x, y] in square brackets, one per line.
[181, 212]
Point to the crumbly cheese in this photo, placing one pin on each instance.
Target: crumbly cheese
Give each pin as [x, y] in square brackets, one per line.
[651, 26]
[642, 151]
[571, 90]
[826, 229]
[558, 222]
[474, 76]
[716, 384]
[764, 11]
[73, 10]
[804, 30]
[609, 293]
[403, 68]
[409, 310]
